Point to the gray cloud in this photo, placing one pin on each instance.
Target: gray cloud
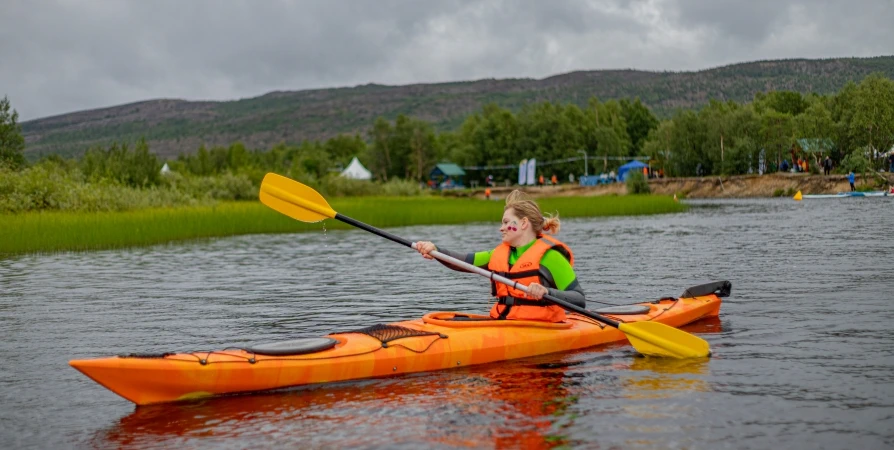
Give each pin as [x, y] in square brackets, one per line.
[62, 56]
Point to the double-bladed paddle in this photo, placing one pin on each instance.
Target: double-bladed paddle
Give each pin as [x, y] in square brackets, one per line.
[303, 203]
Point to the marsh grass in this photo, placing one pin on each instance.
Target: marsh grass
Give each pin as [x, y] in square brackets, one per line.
[40, 232]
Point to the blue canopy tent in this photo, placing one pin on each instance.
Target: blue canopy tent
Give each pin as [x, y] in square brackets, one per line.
[632, 165]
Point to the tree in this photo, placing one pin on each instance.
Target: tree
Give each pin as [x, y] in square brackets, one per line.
[404, 149]
[343, 148]
[776, 131]
[311, 159]
[841, 106]
[874, 114]
[718, 123]
[658, 145]
[12, 143]
[815, 123]
[488, 138]
[237, 156]
[607, 136]
[137, 168]
[786, 102]
[640, 121]
[380, 150]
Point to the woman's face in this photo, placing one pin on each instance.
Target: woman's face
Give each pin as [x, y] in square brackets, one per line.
[512, 227]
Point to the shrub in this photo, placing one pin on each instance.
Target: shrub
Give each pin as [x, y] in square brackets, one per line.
[813, 167]
[855, 162]
[339, 186]
[132, 167]
[226, 186]
[637, 183]
[401, 188]
[50, 186]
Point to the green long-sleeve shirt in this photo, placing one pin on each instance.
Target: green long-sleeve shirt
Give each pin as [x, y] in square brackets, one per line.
[554, 268]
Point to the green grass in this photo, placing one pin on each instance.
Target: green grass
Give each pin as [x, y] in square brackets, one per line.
[44, 232]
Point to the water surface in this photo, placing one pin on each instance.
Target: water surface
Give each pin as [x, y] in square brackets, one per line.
[803, 350]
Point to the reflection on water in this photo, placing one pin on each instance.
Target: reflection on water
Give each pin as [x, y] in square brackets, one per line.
[498, 405]
[803, 349]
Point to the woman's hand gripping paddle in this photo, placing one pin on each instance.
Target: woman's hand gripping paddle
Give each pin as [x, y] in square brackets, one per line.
[301, 202]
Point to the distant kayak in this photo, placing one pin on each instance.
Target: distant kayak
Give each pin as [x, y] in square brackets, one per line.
[799, 196]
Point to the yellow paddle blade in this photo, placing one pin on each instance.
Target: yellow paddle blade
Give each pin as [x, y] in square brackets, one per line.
[294, 199]
[658, 339]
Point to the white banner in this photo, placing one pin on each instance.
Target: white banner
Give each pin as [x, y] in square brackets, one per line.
[532, 172]
[522, 172]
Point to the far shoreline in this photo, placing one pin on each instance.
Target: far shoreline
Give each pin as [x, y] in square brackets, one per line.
[706, 187]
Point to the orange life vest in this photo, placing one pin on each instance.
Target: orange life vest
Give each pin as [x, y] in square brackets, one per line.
[515, 303]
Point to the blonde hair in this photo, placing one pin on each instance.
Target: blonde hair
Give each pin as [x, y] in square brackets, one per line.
[524, 207]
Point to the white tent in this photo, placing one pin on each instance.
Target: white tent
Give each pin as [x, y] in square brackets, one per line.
[165, 169]
[356, 171]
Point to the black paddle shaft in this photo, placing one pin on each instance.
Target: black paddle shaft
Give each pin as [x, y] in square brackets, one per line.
[584, 312]
[402, 241]
[373, 230]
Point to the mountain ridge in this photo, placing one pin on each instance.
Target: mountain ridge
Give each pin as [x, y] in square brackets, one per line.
[173, 126]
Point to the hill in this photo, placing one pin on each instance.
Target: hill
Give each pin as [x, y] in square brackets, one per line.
[176, 126]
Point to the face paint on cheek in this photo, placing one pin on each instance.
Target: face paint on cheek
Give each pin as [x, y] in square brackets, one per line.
[512, 226]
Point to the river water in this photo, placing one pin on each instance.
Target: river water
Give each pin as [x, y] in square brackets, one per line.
[803, 350]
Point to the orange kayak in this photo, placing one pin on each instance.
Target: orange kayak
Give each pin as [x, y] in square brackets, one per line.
[439, 340]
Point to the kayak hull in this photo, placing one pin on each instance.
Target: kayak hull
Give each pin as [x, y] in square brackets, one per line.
[849, 195]
[148, 379]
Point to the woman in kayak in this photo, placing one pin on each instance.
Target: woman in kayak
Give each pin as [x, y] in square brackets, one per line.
[527, 255]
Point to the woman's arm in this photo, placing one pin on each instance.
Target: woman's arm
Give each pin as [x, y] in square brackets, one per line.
[558, 270]
[479, 259]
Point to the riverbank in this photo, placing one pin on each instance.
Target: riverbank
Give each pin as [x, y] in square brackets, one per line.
[44, 232]
[737, 186]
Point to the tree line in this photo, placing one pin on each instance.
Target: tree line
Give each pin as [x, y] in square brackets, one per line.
[854, 126]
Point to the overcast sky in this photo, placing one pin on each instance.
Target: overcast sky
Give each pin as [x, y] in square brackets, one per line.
[66, 55]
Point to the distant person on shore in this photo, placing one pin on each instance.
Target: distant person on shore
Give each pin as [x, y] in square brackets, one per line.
[850, 179]
[487, 193]
[827, 165]
[554, 180]
[891, 162]
[540, 181]
[784, 166]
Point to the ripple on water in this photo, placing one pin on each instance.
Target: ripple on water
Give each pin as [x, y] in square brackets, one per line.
[804, 355]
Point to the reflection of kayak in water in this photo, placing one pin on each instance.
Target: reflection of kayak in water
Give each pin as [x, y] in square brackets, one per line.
[438, 341]
[505, 405]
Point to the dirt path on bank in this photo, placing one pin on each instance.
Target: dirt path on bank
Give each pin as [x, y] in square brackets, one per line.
[738, 186]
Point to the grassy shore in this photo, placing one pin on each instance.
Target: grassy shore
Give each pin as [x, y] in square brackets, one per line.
[63, 231]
